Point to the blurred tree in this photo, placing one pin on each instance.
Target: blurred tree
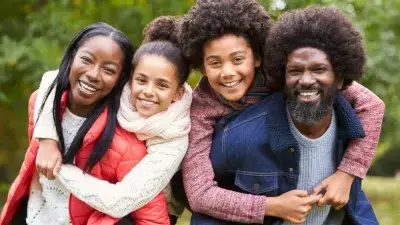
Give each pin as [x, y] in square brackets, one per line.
[34, 34]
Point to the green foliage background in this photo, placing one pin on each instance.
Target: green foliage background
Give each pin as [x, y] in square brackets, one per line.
[34, 34]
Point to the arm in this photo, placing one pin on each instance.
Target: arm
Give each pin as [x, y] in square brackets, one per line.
[203, 193]
[360, 152]
[140, 185]
[154, 212]
[370, 109]
[45, 127]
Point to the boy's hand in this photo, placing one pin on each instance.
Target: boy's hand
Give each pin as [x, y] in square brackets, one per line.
[337, 189]
[292, 206]
[48, 159]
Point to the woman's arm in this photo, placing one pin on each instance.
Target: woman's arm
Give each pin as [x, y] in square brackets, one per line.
[140, 185]
[370, 109]
[203, 193]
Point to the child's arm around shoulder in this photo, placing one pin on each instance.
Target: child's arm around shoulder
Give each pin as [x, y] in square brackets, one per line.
[370, 109]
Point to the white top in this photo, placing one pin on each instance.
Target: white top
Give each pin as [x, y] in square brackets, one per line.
[166, 136]
[48, 199]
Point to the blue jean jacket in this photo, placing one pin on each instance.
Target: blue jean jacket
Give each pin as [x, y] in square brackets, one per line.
[254, 152]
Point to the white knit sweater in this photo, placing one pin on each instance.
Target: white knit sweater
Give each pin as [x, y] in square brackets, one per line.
[166, 136]
[48, 199]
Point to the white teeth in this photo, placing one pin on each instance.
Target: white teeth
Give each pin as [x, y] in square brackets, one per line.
[308, 93]
[231, 84]
[86, 87]
[146, 102]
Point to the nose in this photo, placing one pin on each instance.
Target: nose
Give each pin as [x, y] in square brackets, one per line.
[228, 71]
[93, 73]
[148, 90]
[307, 79]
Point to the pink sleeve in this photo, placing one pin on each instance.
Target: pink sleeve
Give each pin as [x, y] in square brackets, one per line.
[203, 193]
[370, 109]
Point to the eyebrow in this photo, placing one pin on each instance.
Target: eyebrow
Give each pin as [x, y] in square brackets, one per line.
[106, 62]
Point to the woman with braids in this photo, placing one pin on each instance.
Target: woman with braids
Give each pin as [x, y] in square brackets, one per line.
[155, 106]
[225, 40]
[85, 101]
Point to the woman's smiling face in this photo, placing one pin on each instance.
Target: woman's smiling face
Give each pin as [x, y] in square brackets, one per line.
[95, 70]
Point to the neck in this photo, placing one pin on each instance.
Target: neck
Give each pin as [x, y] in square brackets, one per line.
[78, 110]
[314, 131]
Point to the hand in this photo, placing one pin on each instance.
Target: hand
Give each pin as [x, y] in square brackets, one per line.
[292, 206]
[337, 189]
[48, 159]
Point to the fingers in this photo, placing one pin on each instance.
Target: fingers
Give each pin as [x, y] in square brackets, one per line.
[57, 167]
[300, 193]
[312, 199]
[320, 188]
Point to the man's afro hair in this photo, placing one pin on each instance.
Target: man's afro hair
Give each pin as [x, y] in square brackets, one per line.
[324, 28]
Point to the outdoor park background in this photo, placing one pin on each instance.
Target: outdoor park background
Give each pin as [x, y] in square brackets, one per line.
[34, 34]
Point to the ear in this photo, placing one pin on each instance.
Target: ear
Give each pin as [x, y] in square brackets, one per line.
[339, 83]
[257, 61]
[179, 94]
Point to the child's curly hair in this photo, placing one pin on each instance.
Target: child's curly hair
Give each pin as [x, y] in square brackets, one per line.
[324, 28]
[210, 19]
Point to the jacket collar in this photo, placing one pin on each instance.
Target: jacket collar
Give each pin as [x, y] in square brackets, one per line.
[281, 138]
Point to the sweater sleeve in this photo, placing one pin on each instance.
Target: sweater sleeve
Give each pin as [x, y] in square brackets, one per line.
[45, 127]
[203, 193]
[370, 109]
[140, 185]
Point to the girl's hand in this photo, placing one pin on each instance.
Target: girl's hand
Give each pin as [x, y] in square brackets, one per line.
[292, 206]
[337, 188]
[48, 159]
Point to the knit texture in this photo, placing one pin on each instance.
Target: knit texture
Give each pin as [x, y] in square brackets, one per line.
[202, 191]
[48, 201]
[317, 162]
[166, 136]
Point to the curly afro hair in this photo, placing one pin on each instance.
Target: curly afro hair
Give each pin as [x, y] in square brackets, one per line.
[210, 19]
[161, 39]
[324, 28]
[162, 28]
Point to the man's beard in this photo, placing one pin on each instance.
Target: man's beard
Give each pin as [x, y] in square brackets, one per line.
[309, 113]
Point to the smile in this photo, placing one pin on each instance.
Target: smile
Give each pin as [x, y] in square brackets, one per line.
[231, 84]
[87, 88]
[308, 95]
[147, 102]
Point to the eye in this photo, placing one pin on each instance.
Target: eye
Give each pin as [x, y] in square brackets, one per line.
[294, 72]
[140, 80]
[109, 71]
[238, 60]
[163, 85]
[86, 60]
[319, 70]
[215, 63]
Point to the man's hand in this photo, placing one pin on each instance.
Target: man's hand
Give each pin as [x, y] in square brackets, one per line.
[292, 206]
[48, 159]
[337, 189]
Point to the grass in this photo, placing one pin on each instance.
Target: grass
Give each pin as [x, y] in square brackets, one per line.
[384, 194]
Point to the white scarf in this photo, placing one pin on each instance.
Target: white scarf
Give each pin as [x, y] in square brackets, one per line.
[168, 124]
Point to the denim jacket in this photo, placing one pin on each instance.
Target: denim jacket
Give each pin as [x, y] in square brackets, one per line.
[254, 152]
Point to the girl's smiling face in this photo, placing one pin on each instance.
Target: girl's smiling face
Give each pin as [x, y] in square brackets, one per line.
[229, 65]
[154, 85]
